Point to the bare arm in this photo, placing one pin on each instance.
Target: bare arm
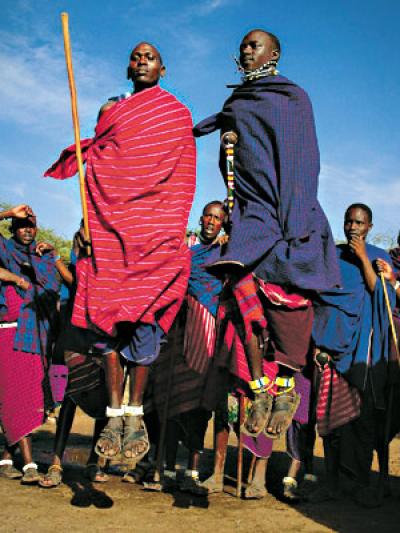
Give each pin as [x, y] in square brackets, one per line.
[357, 245]
[46, 247]
[19, 281]
[20, 211]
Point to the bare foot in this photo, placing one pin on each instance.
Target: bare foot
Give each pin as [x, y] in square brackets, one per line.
[283, 410]
[136, 441]
[109, 443]
[259, 414]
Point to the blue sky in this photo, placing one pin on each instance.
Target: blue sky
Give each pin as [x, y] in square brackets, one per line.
[343, 53]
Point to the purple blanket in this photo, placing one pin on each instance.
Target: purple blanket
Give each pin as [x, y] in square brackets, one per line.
[278, 226]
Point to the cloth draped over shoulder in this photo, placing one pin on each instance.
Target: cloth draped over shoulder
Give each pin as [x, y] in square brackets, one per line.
[140, 180]
[39, 301]
[278, 227]
[352, 325]
[202, 303]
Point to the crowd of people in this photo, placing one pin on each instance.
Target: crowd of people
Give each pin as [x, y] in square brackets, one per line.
[260, 322]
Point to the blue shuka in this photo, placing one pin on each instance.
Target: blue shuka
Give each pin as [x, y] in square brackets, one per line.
[43, 291]
[203, 286]
[352, 324]
[278, 227]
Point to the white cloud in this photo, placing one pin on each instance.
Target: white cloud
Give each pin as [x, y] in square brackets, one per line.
[373, 185]
[34, 89]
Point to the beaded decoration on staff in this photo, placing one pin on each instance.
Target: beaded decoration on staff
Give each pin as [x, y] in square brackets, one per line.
[228, 141]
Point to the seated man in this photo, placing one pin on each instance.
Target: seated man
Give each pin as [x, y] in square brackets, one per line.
[281, 248]
[351, 333]
[140, 178]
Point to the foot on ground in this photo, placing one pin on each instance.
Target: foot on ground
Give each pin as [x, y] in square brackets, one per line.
[53, 477]
[289, 490]
[31, 475]
[10, 472]
[95, 474]
[192, 485]
[255, 491]
[214, 484]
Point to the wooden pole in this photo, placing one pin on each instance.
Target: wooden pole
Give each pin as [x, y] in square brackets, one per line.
[384, 467]
[240, 448]
[75, 122]
[389, 311]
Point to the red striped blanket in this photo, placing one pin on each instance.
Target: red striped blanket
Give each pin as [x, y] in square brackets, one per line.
[140, 181]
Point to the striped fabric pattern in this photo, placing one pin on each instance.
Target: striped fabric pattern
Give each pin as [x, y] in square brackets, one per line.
[338, 403]
[140, 179]
[200, 333]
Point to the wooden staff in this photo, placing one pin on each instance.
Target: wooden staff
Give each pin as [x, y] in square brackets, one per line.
[240, 447]
[389, 311]
[228, 141]
[75, 122]
[384, 468]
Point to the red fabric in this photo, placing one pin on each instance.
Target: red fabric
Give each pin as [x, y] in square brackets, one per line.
[200, 333]
[338, 403]
[21, 376]
[140, 180]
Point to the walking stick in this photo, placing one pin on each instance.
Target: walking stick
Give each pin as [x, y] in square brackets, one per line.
[155, 485]
[75, 122]
[384, 467]
[228, 141]
[240, 448]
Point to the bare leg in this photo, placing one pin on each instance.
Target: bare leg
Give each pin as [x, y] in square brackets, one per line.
[135, 447]
[256, 490]
[25, 446]
[108, 444]
[53, 477]
[215, 483]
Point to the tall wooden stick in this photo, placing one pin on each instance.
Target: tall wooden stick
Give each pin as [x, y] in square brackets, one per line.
[389, 311]
[384, 467]
[239, 475]
[75, 121]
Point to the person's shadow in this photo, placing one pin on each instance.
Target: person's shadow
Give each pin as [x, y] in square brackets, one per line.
[85, 495]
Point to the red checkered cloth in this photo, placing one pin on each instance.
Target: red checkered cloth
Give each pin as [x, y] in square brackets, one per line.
[140, 181]
[338, 402]
[200, 333]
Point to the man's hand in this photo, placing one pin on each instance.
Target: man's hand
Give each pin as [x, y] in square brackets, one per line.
[222, 239]
[21, 211]
[357, 245]
[45, 247]
[387, 271]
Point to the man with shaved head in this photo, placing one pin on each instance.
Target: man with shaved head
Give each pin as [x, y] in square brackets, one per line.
[281, 248]
[140, 179]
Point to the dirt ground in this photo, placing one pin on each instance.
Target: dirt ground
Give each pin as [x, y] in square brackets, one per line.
[78, 505]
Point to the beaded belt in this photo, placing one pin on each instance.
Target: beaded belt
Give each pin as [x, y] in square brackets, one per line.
[4, 325]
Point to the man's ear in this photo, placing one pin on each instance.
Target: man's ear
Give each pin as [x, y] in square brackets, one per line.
[163, 71]
[129, 73]
[201, 220]
[276, 55]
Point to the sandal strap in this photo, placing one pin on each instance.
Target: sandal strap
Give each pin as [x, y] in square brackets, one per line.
[112, 412]
[28, 466]
[55, 468]
[133, 410]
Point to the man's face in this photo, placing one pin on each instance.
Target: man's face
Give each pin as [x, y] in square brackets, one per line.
[145, 67]
[25, 233]
[211, 222]
[256, 49]
[356, 222]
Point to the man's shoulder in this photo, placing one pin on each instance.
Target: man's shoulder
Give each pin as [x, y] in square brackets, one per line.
[175, 100]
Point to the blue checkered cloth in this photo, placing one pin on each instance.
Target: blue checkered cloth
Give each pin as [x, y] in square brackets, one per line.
[39, 301]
